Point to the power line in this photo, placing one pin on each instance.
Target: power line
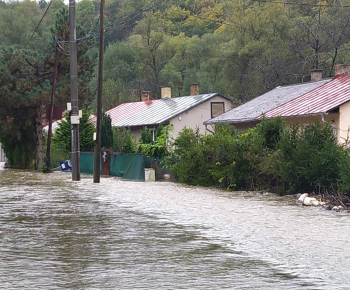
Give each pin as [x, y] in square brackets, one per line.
[61, 45]
[61, 49]
[42, 18]
[143, 9]
[82, 38]
[48, 56]
[302, 4]
[86, 37]
[123, 20]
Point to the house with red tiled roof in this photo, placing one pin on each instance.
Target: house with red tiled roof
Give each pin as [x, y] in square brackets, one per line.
[329, 102]
[188, 111]
[324, 100]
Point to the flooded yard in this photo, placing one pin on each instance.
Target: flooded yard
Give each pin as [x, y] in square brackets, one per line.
[119, 234]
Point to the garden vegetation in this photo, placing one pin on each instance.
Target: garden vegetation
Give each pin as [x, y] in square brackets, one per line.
[271, 157]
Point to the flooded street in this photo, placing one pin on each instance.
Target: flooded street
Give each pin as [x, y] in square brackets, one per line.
[59, 234]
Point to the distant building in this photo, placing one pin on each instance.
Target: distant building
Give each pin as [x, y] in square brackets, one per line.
[323, 100]
[189, 111]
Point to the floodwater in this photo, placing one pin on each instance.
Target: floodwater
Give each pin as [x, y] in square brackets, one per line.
[59, 234]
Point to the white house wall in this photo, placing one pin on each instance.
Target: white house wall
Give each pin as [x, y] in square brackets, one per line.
[195, 117]
[344, 123]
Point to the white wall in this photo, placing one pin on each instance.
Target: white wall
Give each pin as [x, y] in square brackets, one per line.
[344, 123]
[196, 116]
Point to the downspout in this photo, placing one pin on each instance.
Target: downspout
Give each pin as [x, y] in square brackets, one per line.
[206, 128]
[334, 126]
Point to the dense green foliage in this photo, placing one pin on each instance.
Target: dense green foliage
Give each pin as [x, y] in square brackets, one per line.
[58, 153]
[27, 57]
[160, 146]
[270, 157]
[106, 132]
[123, 141]
[63, 134]
[238, 48]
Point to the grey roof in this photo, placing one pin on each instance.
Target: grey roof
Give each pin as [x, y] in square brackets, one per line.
[158, 111]
[268, 101]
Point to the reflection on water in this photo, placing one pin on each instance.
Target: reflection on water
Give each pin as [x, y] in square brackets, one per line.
[59, 234]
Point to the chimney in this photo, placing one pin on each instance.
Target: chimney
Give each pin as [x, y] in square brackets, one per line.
[342, 69]
[165, 92]
[145, 96]
[194, 88]
[316, 75]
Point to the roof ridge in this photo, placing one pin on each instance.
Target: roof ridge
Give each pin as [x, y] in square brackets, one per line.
[305, 83]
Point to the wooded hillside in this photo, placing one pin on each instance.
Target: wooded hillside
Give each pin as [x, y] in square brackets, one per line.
[240, 48]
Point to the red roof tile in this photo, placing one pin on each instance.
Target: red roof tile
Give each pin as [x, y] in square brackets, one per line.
[125, 110]
[320, 100]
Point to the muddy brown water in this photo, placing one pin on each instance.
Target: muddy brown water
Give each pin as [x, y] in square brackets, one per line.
[59, 234]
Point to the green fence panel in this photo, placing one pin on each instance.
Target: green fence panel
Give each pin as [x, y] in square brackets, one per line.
[128, 166]
[87, 163]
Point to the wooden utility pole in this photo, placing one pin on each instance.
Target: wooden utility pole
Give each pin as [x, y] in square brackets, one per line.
[48, 146]
[97, 154]
[74, 93]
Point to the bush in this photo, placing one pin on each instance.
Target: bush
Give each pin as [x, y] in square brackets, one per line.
[146, 136]
[20, 147]
[106, 132]
[270, 156]
[123, 141]
[311, 158]
[63, 135]
[58, 153]
[344, 167]
[190, 162]
[22, 158]
[160, 146]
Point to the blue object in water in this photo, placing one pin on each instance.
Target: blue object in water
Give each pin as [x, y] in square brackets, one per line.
[66, 165]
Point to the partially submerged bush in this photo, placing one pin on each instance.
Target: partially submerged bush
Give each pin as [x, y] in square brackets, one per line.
[270, 156]
[311, 158]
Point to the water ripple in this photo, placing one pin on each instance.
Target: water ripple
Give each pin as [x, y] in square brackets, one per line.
[59, 234]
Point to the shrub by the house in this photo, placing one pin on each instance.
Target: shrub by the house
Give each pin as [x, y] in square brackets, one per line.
[270, 157]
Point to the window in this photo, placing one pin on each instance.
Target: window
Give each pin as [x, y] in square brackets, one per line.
[217, 109]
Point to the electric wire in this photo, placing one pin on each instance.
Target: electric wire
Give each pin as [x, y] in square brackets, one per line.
[142, 10]
[149, 6]
[123, 21]
[82, 38]
[302, 4]
[62, 44]
[88, 36]
[61, 48]
[42, 18]
[47, 56]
